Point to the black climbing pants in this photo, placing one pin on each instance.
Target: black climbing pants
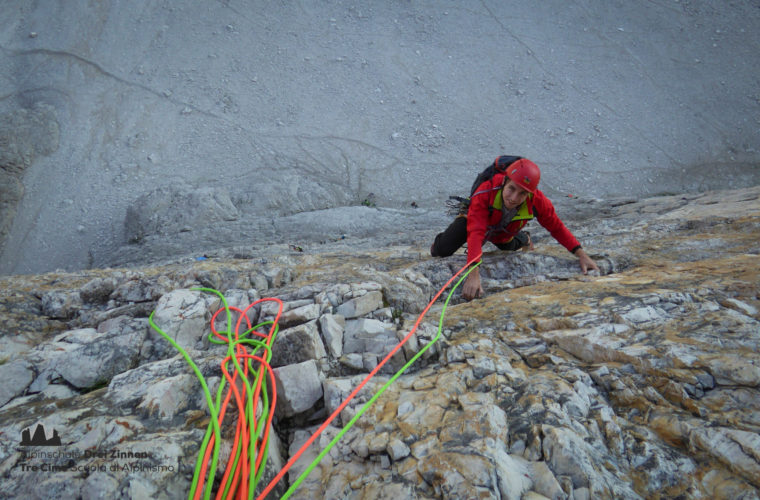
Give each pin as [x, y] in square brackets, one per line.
[449, 241]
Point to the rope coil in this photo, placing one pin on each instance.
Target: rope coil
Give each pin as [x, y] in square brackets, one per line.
[249, 450]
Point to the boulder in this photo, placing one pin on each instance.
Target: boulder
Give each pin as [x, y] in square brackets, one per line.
[61, 304]
[368, 335]
[182, 315]
[332, 327]
[298, 344]
[16, 375]
[298, 387]
[105, 354]
[362, 305]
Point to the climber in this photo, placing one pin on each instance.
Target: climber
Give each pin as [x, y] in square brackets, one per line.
[497, 210]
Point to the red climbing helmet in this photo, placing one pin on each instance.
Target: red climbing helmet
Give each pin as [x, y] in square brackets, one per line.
[525, 174]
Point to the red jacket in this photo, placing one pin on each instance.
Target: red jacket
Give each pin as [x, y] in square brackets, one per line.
[484, 214]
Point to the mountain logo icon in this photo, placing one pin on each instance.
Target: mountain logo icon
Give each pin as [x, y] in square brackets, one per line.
[39, 438]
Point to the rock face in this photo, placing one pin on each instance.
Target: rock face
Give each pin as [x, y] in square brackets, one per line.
[333, 105]
[642, 381]
[177, 209]
[25, 134]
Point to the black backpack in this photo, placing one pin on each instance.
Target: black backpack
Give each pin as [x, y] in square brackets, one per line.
[499, 166]
[458, 205]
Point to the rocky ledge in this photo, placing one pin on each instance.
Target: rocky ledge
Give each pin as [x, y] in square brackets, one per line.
[640, 382]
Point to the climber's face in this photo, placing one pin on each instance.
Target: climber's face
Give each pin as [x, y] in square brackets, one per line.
[513, 195]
